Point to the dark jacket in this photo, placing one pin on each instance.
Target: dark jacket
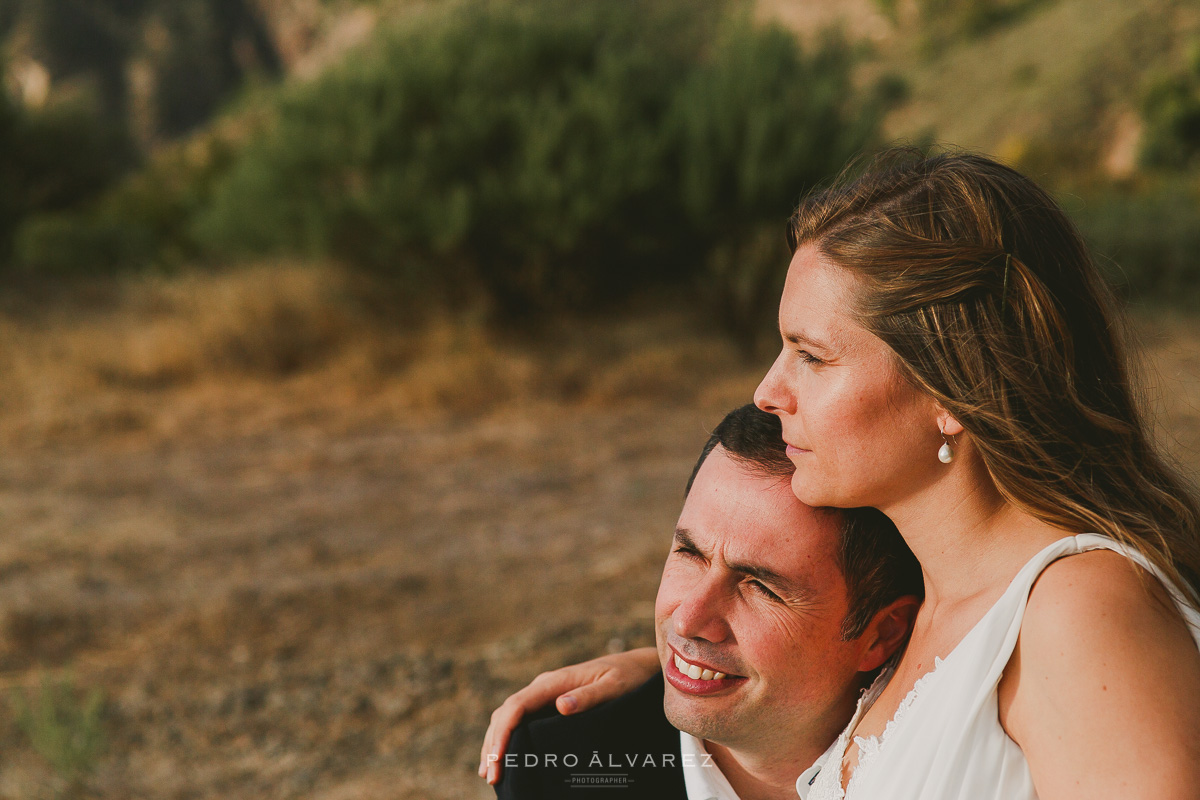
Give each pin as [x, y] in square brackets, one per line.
[625, 745]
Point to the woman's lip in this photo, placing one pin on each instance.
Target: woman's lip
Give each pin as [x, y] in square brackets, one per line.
[792, 450]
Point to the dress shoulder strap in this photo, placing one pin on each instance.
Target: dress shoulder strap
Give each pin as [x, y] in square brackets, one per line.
[1002, 625]
[1187, 608]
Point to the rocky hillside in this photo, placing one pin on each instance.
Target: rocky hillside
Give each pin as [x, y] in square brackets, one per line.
[1002, 76]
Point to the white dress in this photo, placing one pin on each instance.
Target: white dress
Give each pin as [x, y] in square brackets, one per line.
[945, 740]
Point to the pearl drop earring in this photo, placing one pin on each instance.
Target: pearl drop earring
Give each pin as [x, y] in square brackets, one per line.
[945, 452]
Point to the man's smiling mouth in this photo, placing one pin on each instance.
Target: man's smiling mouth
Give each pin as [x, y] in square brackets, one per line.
[698, 679]
[696, 672]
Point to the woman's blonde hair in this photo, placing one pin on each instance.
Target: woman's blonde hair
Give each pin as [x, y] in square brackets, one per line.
[987, 295]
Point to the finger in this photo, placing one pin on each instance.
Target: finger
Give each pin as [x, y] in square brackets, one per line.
[487, 752]
[492, 747]
[504, 720]
[544, 689]
[583, 698]
[499, 745]
[488, 737]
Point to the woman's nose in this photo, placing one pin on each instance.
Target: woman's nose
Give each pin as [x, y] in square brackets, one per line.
[770, 395]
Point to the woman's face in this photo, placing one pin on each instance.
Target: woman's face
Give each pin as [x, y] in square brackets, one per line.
[858, 433]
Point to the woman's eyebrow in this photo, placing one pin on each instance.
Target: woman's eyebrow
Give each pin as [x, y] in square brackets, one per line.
[803, 339]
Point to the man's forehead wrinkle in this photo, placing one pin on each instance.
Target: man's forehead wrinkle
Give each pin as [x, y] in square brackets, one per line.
[744, 564]
[792, 585]
[746, 500]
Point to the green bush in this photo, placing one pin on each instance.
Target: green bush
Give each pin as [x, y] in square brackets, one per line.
[53, 160]
[1171, 114]
[145, 220]
[79, 244]
[752, 128]
[521, 143]
[1147, 240]
[550, 152]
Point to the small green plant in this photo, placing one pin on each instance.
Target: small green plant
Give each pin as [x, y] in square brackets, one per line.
[1146, 238]
[1171, 112]
[63, 725]
[943, 23]
[53, 159]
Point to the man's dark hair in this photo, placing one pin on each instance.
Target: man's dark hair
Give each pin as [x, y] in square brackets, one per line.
[877, 564]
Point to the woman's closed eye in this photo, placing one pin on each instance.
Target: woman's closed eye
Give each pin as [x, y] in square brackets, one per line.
[808, 358]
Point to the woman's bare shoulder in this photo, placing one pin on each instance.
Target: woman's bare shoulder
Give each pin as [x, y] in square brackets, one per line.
[1102, 648]
[1092, 596]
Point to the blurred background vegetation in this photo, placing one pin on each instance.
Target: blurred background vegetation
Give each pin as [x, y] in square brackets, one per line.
[517, 158]
[355, 352]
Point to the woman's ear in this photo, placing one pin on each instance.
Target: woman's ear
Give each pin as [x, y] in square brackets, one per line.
[948, 424]
[888, 631]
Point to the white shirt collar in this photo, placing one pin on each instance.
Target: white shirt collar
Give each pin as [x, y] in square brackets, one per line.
[805, 781]
[702, 777]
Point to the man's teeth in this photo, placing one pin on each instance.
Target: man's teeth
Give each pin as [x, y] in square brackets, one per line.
[696, 673]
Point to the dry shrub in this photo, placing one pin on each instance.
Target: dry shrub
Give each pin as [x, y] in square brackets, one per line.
[459, 367]
[84, 368]
[268, 320]
[276, 341]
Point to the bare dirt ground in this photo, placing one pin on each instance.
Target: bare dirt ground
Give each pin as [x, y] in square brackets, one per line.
[318, 584]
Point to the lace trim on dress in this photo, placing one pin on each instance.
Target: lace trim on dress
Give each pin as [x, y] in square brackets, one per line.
[869, 746]
[828, 783]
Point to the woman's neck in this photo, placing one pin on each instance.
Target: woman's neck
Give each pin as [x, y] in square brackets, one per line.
[967, 537]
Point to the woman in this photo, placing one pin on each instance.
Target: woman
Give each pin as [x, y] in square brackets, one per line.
[950, 357]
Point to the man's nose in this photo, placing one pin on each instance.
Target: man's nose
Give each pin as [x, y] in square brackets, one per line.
[701, 613]
[771, 395]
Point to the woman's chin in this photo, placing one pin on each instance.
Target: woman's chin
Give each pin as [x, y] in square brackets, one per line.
[809, 491]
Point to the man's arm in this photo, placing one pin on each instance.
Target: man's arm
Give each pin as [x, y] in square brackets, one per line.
[573, 689]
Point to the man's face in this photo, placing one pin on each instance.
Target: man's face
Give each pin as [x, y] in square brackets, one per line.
[752, 589]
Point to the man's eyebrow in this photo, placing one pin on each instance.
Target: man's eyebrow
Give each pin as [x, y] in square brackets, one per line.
[789, 586]
[684, 538]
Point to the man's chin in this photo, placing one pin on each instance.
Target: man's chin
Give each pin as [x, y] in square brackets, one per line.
[689, 715]
[710, 717]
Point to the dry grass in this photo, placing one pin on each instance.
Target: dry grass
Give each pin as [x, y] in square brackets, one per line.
[293, 541]
[304, 551]
[156, 353]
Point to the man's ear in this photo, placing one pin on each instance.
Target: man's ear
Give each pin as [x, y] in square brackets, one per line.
[888, 631]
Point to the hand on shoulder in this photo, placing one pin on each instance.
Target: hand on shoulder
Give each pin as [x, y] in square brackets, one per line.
[572, 689]
[1100, 692]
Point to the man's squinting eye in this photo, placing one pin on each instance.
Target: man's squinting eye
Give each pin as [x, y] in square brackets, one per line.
[762, 589]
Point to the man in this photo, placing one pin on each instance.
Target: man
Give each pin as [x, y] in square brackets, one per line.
[770, 618]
